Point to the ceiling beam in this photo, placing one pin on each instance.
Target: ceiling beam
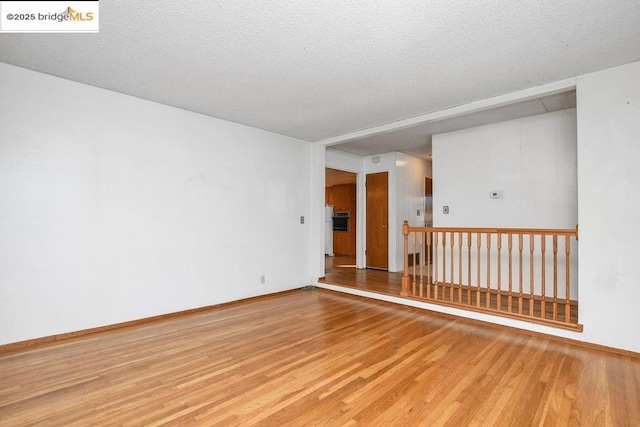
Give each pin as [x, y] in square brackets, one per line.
[460, 110]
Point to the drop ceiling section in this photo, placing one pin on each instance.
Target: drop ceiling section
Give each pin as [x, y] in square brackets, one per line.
[416, 140]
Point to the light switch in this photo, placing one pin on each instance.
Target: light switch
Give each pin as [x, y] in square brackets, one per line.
[445, 210]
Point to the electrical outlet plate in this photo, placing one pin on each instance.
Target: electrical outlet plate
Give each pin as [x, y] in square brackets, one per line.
[263, 280]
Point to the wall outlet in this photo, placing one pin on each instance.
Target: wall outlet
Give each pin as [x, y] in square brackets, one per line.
[301, 220]
[263, 279]
[445, 210]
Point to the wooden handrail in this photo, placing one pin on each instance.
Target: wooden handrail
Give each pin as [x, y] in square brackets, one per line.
[534, 231]
[523, 290]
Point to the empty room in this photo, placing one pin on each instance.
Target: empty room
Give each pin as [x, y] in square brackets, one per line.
[311, 213]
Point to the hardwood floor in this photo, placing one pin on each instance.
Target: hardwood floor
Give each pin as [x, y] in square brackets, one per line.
[317, 357]
[342, 271]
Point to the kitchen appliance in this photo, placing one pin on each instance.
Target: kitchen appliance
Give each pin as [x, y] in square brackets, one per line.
[328, 230]
[341, 221]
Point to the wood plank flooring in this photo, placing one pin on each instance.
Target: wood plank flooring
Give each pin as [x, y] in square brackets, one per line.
[341, 271]
[317, 357]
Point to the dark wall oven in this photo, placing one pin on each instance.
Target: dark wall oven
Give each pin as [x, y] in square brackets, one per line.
[341, 221]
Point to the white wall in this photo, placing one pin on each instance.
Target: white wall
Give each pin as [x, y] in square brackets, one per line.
[316, 220]
[532, 161]
[410, 174]
[340, 160]
[609, 205]
[113, 208]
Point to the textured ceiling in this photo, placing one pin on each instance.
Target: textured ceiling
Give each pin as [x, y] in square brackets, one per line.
[314, 70]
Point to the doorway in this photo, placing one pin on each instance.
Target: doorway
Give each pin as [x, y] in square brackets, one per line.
[340, 219]
[377, 250]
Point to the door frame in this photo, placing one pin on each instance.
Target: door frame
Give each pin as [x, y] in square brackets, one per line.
[360, 210]
[385, 164]
[386, 226]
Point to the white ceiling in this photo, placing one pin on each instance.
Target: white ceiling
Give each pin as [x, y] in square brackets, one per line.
[315, 70]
